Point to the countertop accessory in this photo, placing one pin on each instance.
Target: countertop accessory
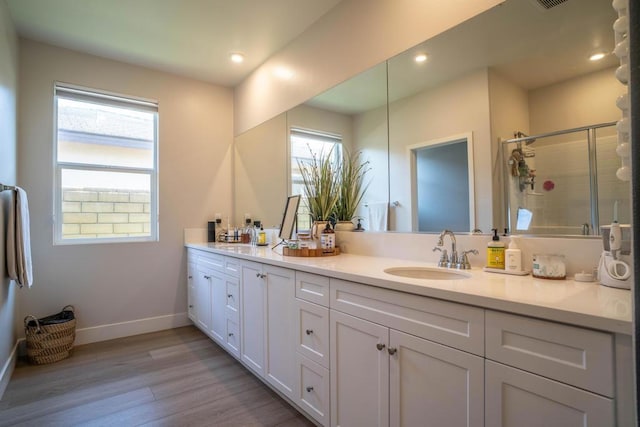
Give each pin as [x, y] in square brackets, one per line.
[511, 272]
[583, 277]
[308, 252]
[549, 266]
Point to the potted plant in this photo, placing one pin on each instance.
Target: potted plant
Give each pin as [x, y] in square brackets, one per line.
[321, 188]
[352, 189]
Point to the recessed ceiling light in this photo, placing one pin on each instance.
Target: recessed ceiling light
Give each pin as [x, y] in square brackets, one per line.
[597, 56]
[237, 57]
[421, 57]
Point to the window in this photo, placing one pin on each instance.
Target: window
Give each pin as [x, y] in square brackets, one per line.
[305, 145]
[106, 158]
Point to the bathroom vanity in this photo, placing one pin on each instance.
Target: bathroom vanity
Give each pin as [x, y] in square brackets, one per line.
[351, 345]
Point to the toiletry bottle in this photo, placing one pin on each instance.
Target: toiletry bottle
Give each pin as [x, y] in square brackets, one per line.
[328, 239]
[495, 252]
[262, 237]
[513, 257]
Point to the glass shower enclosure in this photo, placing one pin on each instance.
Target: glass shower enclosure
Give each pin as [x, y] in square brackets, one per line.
[564, 183]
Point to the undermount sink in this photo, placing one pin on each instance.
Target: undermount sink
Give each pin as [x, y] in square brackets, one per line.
[426, 273]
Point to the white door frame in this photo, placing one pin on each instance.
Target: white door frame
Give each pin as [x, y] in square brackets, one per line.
[412, 160]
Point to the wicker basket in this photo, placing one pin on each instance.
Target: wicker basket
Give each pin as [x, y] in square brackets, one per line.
[50, 339]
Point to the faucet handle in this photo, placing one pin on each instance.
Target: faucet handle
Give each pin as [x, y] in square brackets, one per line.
[444, 258]
[463, 261]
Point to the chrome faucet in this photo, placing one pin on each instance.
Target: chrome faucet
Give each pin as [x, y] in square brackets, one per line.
[453, 261]
[453, 257]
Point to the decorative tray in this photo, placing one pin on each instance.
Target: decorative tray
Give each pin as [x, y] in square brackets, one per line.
[501, 271]
[306, 252]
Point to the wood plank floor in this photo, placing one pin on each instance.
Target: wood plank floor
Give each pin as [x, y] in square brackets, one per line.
[177, 377]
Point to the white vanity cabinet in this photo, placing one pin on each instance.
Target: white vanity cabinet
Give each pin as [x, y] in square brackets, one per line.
[546, 373]
[268, 313]
[191, 287]
[352, 354]
[312, 345]
[215, 298]
[202, 286]
[383, 375]
[253, 302]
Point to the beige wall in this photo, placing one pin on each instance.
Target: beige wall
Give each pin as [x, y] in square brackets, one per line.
[8, 88]
[455, 108]
[261, 172]
[582, 101]
[509, 106]
[370, 135]
[352, 37]
[262, 160]
[111, 283]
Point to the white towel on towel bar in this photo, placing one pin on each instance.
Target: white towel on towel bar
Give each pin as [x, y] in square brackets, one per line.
[378, 212]
[19, 265]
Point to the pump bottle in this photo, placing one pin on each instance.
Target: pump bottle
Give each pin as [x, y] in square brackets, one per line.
[513, 257]
[495, 251]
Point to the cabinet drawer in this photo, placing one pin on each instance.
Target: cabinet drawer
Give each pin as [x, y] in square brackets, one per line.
[209, 260]
[576, 356]
[515, 398]
[313, 389]
[312, 334]
[232, 295]
[456, 325]
[232, 340]
[232, 266]
[312, 288]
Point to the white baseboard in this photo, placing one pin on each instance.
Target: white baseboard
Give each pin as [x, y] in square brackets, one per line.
[132, 327]
[9, 366]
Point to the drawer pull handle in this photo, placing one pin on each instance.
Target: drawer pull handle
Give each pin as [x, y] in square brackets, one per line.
[260, 275]
[230, 334]
[207, 277]
[392, 350]
[230, 296]
[190, 277]
[309, 331]
[380, 346]
[309, 389]
[190, 305]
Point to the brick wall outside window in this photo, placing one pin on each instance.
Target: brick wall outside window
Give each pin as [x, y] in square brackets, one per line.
[96, 212]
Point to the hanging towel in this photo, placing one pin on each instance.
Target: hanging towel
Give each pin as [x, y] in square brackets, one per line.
[18, 240]
[378, 212]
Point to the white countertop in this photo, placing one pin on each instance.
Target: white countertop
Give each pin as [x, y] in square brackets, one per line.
[584, 304]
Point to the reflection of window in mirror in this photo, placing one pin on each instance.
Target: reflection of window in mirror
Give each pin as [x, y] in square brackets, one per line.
[305, 145]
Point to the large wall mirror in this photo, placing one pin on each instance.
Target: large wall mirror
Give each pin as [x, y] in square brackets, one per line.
[517, 67]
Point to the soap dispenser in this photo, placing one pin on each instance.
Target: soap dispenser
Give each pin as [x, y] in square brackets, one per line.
[513, 257]
[495, 252]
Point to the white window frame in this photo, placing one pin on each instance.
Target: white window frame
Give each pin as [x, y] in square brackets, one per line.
[70, 91]
[315, 134]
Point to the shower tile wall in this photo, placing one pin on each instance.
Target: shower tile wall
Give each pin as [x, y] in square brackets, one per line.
[566, 208]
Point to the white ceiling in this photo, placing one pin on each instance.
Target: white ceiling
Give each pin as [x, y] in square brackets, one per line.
[188, 37]
[530, 46]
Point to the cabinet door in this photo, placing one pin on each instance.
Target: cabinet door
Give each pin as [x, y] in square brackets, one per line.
[202, 304]
[312, 331]
[359, 372]
[252, 301]
[313, 390]
[434, 385]
[516, 398]
[280, 363]
[191, 291]
[218, 304]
